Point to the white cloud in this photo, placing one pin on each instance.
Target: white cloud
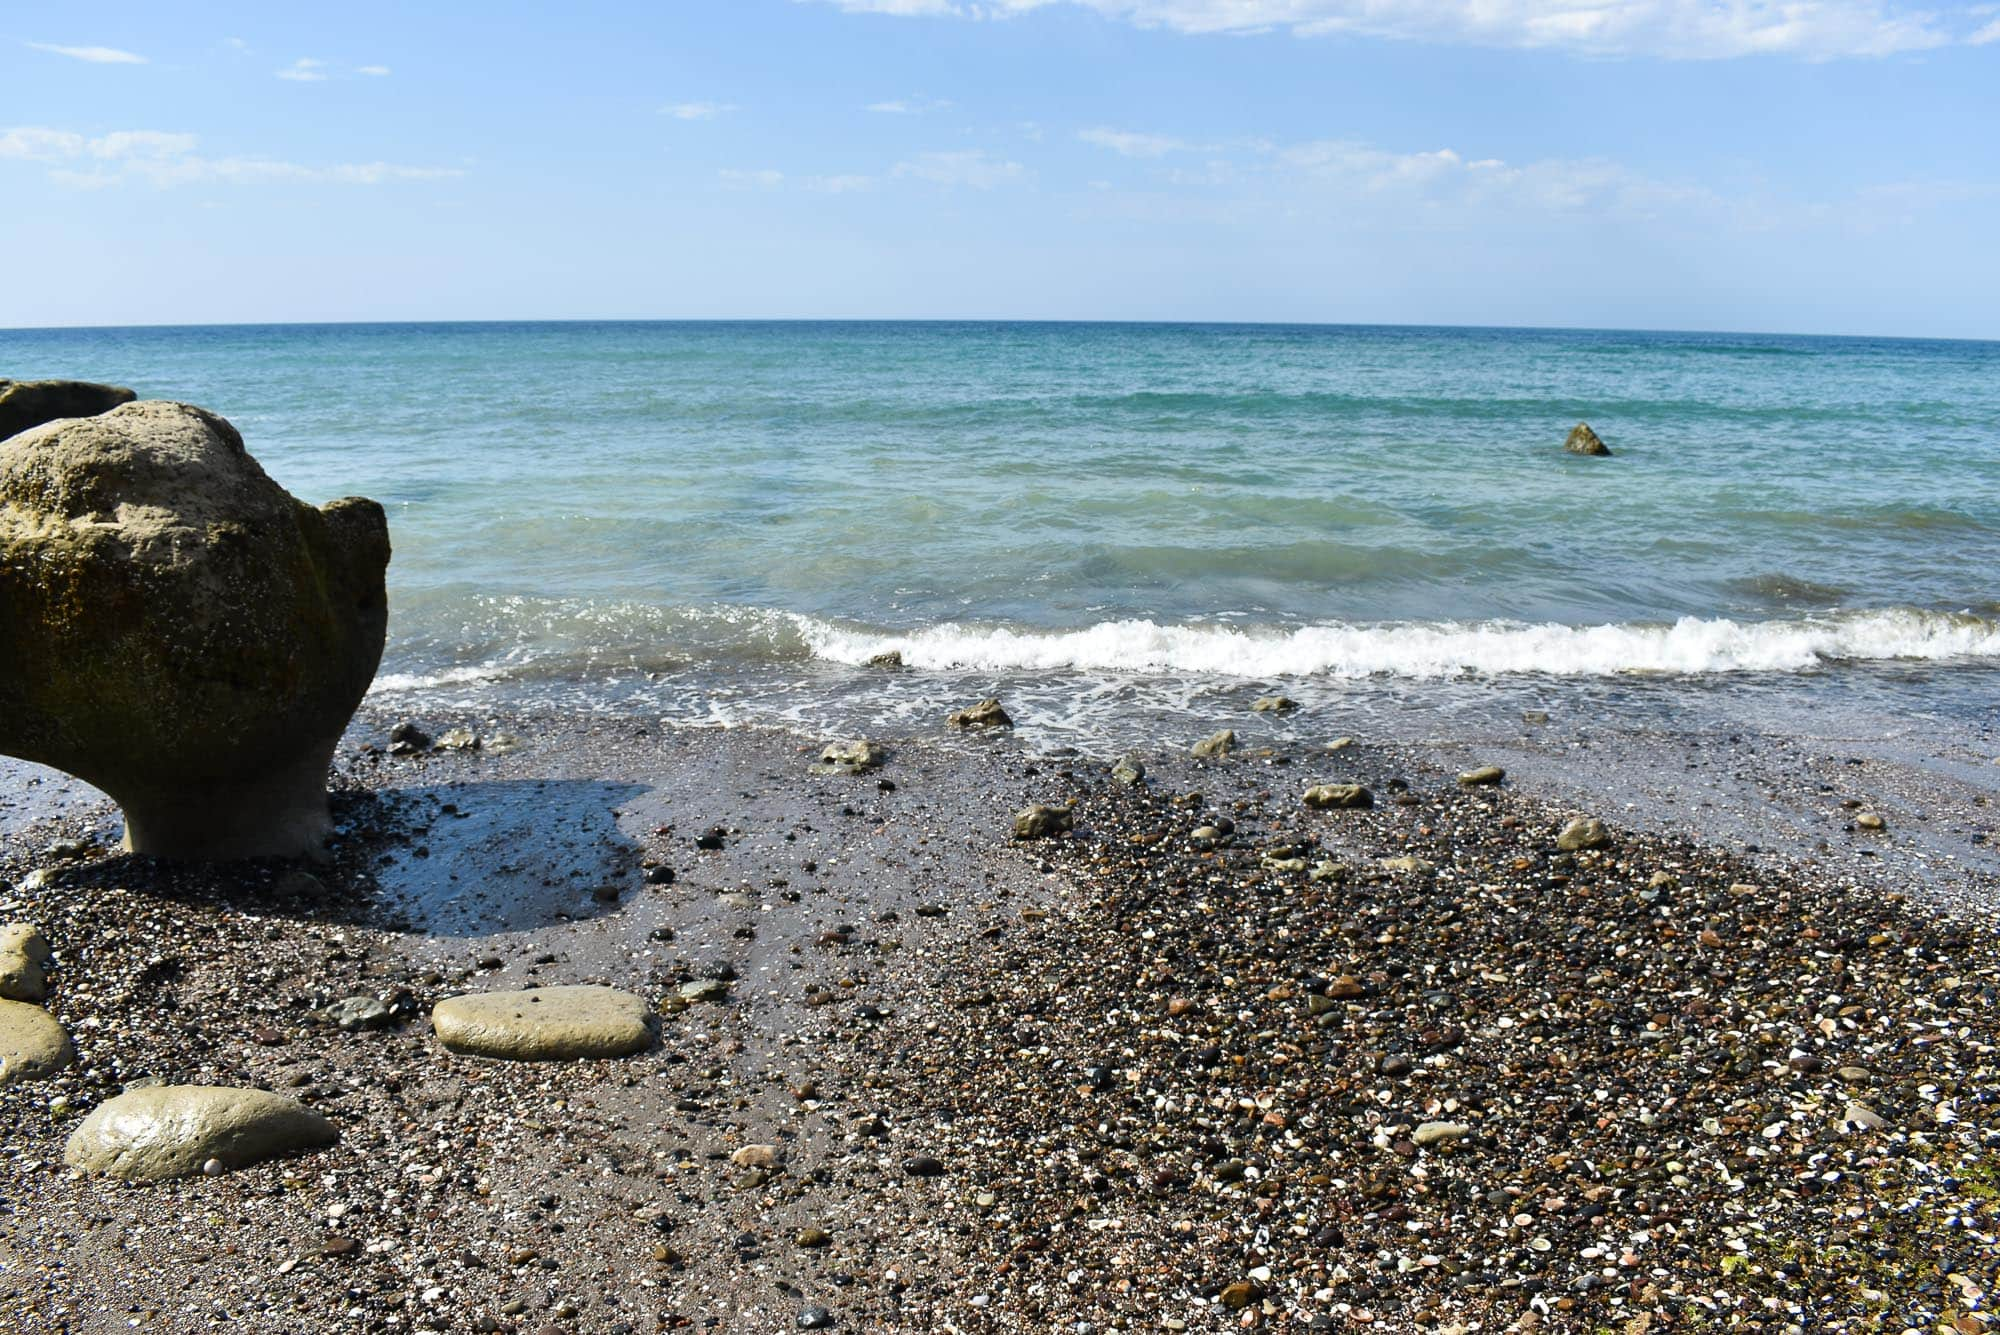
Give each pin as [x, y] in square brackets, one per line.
[973, 168]
[95, 55]
[1132, 145]
[697, 111]
[1988, 34]
[304, 70]
[165, 159]
[761, 179]
[1671, 29]
[373, 71]
[909, 106]
[839, 185]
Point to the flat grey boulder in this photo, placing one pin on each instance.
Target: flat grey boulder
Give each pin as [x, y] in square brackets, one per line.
[179, 631]
[169, 1131]
[29, 403]
[32, 1045]
[24, 959]
[545, 1023]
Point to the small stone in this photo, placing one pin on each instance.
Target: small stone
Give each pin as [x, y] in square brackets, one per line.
[1395, 1065]
[1581, 833]
[1274, 704]
[339, 1246]
[1408, 865]
[986, 714]
[1040, 822]
[705, 990]
[1483, 777]
[214, 1168]
[407, 739]
[353, 1013]
[1869, 820]
[457, 739]
[1129, 772]
[815, 1318]
[545, 1024]
[1240, 1294]
[1339, 796]
[1440, 1133]
[850, 757]
[1855, 1075]
[813, 1237]
[1861, 1117]
[169, 1131]
[32, 1045]
[24, 958]
[758, 1156]
[923, 1165]
[1217, 744]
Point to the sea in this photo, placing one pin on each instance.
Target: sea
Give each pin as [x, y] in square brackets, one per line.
[1128, 532]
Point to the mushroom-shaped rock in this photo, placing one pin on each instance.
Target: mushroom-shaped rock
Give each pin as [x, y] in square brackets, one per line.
[545, 1023]
[169, 1131]
[179, 631]
[32, 1045]
[1582, 440]
[29, 403]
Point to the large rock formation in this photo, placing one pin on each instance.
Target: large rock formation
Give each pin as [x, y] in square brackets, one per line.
[178, 630]
[29, 403]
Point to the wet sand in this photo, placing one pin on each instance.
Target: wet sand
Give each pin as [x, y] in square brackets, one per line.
[1166, 1083]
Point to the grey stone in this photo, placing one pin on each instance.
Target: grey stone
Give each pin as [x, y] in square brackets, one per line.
[853, 757]
[1581, 833]
[1129, 772]
[358, 1013]
[1216, 744]
[1324, 796]
[1440, 1133]
[24, 958]
[178, 631]
[1482, 777]
[169, 1131]
[705, 989]
[986, 714]
[1039, 822]
[32, 1045]
[545, 1023]
[1273, 704]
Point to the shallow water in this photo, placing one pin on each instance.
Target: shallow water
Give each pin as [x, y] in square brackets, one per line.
[728, 519]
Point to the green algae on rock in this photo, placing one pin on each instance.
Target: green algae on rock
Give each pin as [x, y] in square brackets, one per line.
[179, 631]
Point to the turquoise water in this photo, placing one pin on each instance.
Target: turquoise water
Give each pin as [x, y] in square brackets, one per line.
[729, 518]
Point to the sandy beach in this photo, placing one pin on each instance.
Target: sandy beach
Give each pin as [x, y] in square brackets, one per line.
[1403, 1068]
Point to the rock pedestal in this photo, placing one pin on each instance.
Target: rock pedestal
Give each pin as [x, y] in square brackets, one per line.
[179, 631]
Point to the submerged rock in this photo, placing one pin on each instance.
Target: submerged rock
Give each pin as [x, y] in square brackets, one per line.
[986, 714]
[24, 958]
[25, 404]
[32, 1045]
[891, 659]
[1273, 704]
[169, 1131]
[545, 1023]
[1216, 744]
[179, 631]
[1582, 440]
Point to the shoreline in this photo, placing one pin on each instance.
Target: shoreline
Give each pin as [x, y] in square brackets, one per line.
[999, 1007]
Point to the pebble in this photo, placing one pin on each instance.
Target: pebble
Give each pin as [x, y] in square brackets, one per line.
[1129, 771]
[757, 1156]
[1216, 744]
[1440, 1133]
[986, 714]
[923, 1165]
[815, 1318]
[1339, 796]
[24, 958]
[705, 990]
[1482, 777]
[850, 757]
[1041, 822]
[169, 1131]
[545, 1024]
[1581, 833]
[1869, 820]
[352, 1013]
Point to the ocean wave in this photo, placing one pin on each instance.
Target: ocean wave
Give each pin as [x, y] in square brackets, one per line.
[1692, 646]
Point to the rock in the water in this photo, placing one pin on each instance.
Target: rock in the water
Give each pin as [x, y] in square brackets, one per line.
[30, 403]
[855, 757]
[457, 739]
[545, 1023]
[1218, 744]
[1582, 440]
[1581, 833]
[1039, 822]
[359, 1013]
[24, 958]
[1484, 776]
[1129, 772]
[407, 739]
[892, 659]
[32, 1045]
[1325, 796]
[169, 1131]
[1273, 704]
[986, 714]
[180, 632]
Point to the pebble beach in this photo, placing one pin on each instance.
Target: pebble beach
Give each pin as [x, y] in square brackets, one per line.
[1201, 1057]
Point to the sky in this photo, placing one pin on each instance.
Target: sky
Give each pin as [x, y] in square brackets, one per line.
[1814, 166]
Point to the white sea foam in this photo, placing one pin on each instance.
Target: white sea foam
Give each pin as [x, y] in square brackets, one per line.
[398, 683]
[1690, 646]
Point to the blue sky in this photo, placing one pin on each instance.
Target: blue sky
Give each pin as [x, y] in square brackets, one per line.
[1819, 166]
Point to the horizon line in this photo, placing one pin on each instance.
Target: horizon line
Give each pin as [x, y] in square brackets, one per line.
[978, 320]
